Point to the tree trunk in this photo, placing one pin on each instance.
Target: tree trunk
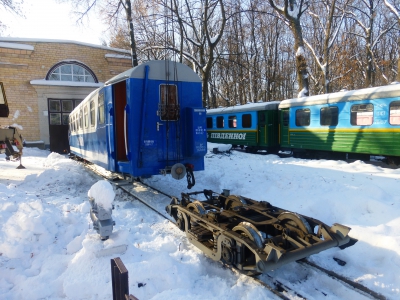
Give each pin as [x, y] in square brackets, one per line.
[128, 9]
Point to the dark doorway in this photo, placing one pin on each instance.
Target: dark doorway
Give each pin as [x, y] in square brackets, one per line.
[59, 110]
[120, 129]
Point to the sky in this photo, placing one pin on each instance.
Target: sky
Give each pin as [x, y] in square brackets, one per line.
[48, 19]
[49, 249]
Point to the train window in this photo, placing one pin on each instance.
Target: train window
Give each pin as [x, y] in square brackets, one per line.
[92, 114]
[169, 107]
[220, 122]
[394, 113]
[232, 122]
[303, 117]
[80, 119]
[285, 117]
[101, 108]
[362, 114]
[246, 121]
[85, 116]
[209, 122]
[329, 116]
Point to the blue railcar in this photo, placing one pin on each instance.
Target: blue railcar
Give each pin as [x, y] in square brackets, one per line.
[148, 120]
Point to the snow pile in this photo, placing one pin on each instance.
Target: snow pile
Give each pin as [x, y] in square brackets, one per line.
[49, 249]
[103, 194]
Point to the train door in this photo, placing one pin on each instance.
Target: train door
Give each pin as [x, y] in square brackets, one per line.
[59, 110]
[262, 129]
[284, 128]
[120, 128]
[267, 129]
[168, 124]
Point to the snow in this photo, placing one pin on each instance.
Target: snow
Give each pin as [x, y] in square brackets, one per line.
[49, 250]
[294, 12]
[110, 55]
[59, 41]
[103, 194]
[66, 83]
[300, 51]
[16, 46]
[302, 93]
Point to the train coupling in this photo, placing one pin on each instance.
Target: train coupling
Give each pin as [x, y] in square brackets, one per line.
[179, 170]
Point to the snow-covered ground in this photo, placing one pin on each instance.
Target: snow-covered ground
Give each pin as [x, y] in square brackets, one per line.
[49, 250]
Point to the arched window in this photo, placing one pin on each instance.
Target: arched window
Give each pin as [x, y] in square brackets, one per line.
[71, 71]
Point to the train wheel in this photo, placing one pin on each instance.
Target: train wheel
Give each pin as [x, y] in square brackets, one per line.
[293, 220]
[196, 206]
[248, 258]
[250, 231]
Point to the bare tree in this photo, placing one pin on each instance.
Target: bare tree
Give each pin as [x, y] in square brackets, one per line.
[112, 10]
[291, 12]
[366, 13]
[396, 11]
[13, 6]
[326, 22]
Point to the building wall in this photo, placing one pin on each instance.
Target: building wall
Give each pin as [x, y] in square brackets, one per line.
[25, 60]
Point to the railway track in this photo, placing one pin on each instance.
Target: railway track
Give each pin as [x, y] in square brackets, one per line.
[157, 200]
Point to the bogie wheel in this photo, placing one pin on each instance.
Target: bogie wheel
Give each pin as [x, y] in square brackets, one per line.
[290, 219]
[196, 206]
[249, 231]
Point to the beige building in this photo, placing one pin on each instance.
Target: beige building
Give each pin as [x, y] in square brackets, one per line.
[45, 79]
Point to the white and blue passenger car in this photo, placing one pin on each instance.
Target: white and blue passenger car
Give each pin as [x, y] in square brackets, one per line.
[145, 121]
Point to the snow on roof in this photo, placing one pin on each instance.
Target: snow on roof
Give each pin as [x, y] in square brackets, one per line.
[246, 107]
[387, 91]
[38, 40]
[66, 83]
[117, 56]
[16, 46]
[159, 70]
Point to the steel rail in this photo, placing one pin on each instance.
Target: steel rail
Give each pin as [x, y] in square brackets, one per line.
[279, 287]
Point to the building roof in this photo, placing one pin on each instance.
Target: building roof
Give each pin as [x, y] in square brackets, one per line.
[14, 42]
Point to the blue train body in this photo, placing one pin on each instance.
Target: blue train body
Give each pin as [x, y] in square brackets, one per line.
[145, 121]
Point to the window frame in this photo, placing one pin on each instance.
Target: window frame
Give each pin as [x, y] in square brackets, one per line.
[354, 114]
[232, 121]
[247, 121]
[168, 107]
[219, 123]
[209, 124]
[397, 103]
[92, 109]
[329, 116]
[86, 116]
[306, 116]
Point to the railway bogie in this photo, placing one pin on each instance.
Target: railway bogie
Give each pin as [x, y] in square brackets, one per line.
[253, 236]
